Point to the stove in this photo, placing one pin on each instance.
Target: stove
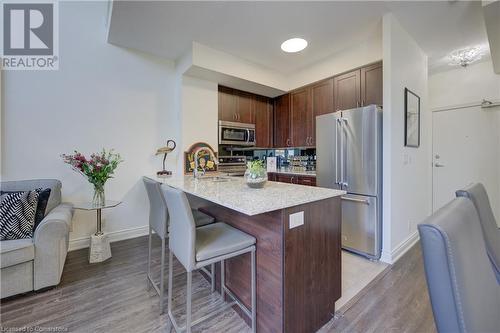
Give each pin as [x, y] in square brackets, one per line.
[232, 165]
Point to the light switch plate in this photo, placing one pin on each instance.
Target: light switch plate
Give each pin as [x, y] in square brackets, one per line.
[296, 220]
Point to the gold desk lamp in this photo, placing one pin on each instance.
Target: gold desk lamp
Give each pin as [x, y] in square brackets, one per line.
[165, 150]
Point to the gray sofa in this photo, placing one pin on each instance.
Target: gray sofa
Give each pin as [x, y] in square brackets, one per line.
[36, 263]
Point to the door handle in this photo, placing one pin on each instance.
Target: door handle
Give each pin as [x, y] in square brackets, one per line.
[366, 202]
[438, 165]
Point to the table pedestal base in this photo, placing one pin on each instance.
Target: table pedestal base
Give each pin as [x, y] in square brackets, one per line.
[100, 249]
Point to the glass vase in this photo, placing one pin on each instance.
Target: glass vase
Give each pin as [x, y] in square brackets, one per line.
[99, 199]
[255, 179]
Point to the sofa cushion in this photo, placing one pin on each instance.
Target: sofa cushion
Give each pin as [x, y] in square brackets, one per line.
[27, 185]
[16, 251]
[17, 215]
[41, 207]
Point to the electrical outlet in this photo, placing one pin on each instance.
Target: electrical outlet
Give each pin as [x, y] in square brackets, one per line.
[296, 220]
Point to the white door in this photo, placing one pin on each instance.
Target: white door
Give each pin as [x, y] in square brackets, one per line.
[466, 149]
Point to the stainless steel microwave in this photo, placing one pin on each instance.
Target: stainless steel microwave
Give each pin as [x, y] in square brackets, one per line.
[238, 134]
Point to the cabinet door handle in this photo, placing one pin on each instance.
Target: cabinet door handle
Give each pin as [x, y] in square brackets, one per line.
[357, 104]
[362, 102]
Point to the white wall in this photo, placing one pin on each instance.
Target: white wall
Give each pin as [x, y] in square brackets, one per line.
[361, 54]
[407, 171]
[199, 115]
[468, 86]
[459, 86]
[102, 96]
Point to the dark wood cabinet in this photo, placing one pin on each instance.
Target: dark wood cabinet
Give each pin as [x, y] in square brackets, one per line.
[371, 85]
[290, 120]
[322, 97]
[321, 100]
[306, 180]
[347, 90]
[282, 122]
[235, 105]
[227, 104]
[244, 105]
[292, 179]
[301, 118]
[263, 111]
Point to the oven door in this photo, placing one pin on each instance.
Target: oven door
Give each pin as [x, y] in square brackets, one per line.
[235, 135]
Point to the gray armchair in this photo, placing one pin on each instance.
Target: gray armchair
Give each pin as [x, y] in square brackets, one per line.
[36, 263]
[491, 233]
[463, 290]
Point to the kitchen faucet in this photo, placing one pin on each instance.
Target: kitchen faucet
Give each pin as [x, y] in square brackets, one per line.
[196, 173]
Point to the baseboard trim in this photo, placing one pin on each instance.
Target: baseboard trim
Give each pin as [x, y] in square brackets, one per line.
[114, 236]
[404, 246]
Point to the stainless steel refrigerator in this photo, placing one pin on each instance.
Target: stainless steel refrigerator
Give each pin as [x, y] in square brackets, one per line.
[349, 157]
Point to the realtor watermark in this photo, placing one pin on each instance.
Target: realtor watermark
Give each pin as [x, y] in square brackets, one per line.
[30, 32]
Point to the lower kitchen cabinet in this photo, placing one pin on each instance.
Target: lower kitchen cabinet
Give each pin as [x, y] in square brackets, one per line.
[306, 180]
[292, 179]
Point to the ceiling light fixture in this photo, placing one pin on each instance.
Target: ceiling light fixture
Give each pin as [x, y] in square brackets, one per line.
[293, 45]
[465, 57]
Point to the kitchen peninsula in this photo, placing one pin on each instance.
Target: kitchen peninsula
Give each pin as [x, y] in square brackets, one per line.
[298, 247]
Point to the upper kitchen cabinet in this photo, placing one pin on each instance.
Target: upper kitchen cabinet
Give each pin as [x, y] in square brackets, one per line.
[371, 84]
[282, 122]
[322, 97]
[263, 111]
[347, 90]
[359, 87]
[227, 104]
[301, 118]
[235, 105]
[244, 104]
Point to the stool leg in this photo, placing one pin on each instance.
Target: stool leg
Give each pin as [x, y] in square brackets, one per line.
[149, 261]
[188, 303]
[162, 282]
[170, 287]
[254, 294]
[212, 270]
[222, 279]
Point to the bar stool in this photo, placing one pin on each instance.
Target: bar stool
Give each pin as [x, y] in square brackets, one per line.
[198, 247]
[158, 221]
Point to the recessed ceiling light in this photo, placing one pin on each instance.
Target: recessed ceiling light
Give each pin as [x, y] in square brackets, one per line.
[465, 57]
[293, 45]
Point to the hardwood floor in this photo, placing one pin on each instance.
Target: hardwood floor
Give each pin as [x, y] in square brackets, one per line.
[112, 297]
[398, 302]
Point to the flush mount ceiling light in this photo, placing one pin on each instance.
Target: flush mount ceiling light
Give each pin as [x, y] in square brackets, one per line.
[465, 57]
[293, 45]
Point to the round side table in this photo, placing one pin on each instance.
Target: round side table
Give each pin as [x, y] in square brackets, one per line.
[100, 249]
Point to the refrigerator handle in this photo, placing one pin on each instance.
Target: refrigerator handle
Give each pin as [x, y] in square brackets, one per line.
[337, 123]
[345, 185]
[342, 152]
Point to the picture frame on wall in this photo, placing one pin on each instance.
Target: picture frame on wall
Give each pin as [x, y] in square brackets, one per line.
[412, 119]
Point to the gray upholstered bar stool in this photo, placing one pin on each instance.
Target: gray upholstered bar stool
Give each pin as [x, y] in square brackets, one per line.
[198, 247]
[158, 221]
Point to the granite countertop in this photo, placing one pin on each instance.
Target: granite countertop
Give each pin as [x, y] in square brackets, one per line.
[236, 195]
[294, 172]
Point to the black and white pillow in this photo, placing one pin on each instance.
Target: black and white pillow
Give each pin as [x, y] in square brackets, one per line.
[17, 215]
[43, 200]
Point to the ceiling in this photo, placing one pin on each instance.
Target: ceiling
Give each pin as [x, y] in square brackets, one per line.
[255, 30]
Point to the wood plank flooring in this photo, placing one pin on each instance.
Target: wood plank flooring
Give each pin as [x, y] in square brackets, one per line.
[112, 297]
